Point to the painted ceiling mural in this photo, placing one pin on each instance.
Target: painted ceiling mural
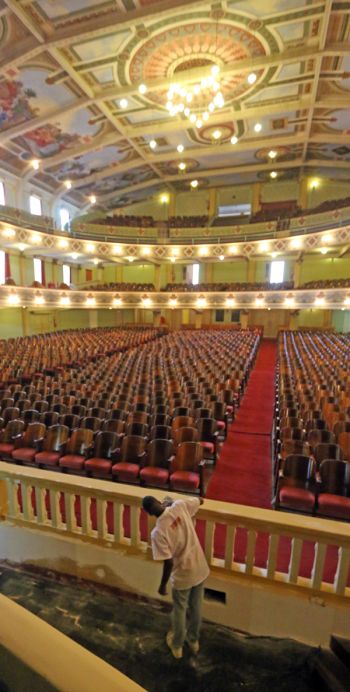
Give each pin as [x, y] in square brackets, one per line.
[85, 87]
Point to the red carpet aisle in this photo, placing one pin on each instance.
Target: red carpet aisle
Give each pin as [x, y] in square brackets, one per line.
[243, 471]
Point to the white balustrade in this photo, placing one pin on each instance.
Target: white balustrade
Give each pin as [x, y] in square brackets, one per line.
[66, 505]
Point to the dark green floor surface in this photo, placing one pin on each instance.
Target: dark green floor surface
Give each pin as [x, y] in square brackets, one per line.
[129, 633]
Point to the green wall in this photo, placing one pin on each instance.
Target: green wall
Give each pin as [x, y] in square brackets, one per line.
[314, 268]
[229, 271]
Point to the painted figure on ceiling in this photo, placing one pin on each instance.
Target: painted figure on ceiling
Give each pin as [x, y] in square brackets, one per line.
[14, 104]
[49, 140]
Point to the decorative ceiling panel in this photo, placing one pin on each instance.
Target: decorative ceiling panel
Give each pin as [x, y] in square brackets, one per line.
[84, 86]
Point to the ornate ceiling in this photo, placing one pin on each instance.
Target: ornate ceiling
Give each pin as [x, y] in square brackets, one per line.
[70, 97]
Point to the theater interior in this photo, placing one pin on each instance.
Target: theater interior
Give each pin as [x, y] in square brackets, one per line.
[174, 321]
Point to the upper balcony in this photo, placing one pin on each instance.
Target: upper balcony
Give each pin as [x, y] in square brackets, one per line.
[314, 233]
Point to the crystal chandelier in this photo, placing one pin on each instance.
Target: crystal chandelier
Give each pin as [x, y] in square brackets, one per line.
[198, 101]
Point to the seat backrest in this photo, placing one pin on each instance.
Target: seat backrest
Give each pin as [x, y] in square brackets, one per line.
[137, 429]
[80, 440]
[55, 436]
[105, 443]
[188, 456]
[34, 431]
[299, 467]
[159, 452]
[325, 450]
[117, 414]
[344, 443]
[91, 422]
[160, 419]
[161, 431]
[70, 420]
[49, 418]
[186, 434]
[112, 425]
[10, 413]
[132, 446]
[14, 427]
[181, 422]
[206, 427]
[335, 476]
[138, 417]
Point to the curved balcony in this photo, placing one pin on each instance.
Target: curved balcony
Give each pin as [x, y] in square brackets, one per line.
[161, 234]
[296, 299]
[47, 240]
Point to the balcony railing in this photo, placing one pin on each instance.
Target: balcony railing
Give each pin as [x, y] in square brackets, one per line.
[132, 240]
[238, 540]
[43, 298]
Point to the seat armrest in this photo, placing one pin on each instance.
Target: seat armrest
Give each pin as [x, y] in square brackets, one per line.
[38, 443]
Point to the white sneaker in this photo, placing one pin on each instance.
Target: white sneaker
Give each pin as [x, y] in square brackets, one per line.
[176, 652]
[194, 646]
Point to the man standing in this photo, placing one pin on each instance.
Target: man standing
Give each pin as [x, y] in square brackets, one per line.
[175, 541]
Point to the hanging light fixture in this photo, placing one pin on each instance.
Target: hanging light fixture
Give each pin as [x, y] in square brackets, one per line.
[198, 100]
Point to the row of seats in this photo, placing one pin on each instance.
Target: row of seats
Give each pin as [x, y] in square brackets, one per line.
[312, 433]
[232, 286]
[214, 287]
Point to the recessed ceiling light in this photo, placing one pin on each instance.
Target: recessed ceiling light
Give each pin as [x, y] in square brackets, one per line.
[215, 70]
[92, 199]
[194, 183]
[257, 127]
[272, 154]
[234, 139]
[180, 148]
[146, 251]
[221, 258]
[142, 88]
[35, 164]
[9, 233]
[296, 243]
[68, 184]
[324, 250]
[251, 78]
[74, 255]
[164, 198]
[263, 247]
[153, 143]
[182, 166]
[123, 103]
[273, 174]
[216, 134]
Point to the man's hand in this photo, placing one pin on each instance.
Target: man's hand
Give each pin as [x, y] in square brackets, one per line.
[162, 590]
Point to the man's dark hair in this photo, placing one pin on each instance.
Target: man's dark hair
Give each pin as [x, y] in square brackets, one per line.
[148, 503]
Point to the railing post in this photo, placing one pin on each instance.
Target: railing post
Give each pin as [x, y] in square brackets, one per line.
[3, 500]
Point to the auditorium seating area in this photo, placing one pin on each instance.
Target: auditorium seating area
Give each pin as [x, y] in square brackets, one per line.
[328, 283]
[126, 405]
[188, 221]
[127, 220]
[119, 286]
[232, 286]
[312, 436]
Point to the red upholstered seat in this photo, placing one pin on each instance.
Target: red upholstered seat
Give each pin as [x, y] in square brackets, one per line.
[221, 424]
[72, 461]
[47, 458]
[184, 480]
[98, 465]
[6, 448]
[26, 454]
[208, 446]
[126, 471]
[229, 408]
[296, 498]
[334, 505]
[154, 475]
